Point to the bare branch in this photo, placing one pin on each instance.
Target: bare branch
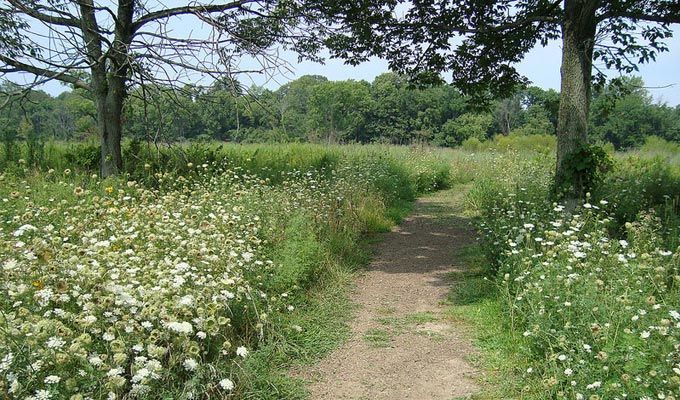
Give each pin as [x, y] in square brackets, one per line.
[190, 9]
[46, 18]
[60, 76]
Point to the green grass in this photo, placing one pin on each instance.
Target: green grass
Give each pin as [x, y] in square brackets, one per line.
[502, 356]
[315, 233]
[529, 345]
[378, 337]
[317, 257]
[472, 284]
[421, 318]
[313, 330]
[406, 323]
[434, 336]
[474, 303]
[324, 326]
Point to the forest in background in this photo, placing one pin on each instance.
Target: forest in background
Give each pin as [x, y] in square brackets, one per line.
[314, 109]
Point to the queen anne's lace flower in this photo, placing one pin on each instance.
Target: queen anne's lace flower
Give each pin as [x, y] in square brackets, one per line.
[127, 287]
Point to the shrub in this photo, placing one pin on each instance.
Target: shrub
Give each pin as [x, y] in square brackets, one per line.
[472, 144]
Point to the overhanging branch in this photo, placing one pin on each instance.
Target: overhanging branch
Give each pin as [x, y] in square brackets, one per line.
[46, 18]
[60, 76]
[190, 9]
[668, 18]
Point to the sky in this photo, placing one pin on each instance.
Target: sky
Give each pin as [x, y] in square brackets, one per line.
[541, 66]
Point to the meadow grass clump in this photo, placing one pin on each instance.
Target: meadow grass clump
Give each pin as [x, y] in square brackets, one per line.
[656, 147]
[192, 282]
[544, 144]
[593, 291]
[638, 183]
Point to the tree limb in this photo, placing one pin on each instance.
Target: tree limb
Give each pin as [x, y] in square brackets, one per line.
[49, 19]
[60, 76]
[190, 9]
[669, 18]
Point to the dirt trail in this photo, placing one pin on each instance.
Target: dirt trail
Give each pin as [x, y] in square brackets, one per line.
[402, 345]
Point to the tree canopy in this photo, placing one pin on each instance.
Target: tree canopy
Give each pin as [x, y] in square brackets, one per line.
[312, 108]
[479, 44]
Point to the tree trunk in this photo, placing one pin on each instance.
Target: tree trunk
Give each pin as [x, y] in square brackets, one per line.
[110, 135]
[108, 79]
[110, 110]
[578, 38]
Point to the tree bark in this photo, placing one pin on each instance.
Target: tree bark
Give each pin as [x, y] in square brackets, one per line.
[110, 86]
[578, 39]
[110, 110]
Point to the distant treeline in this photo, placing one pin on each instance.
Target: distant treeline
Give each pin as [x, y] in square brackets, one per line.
[314, 109]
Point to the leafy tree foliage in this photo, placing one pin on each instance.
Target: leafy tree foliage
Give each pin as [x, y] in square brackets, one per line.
[312, 108]
[466, 126]
[339, 109]
[624, 114]
[535, 122]
[480, 42]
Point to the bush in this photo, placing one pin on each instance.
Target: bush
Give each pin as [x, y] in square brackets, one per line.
[472, 144]
[537, 143]
[636, 184]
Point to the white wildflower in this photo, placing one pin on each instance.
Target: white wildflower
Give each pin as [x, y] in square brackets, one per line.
[180, 327]
[141, 375]
[227, 384]
[52, 379]
[55, 343]
[6, 362]
[190, 364]
[95, 361]
[23, 229]
[242, 352]
[186, 301]
[594, 385]
[42, 395]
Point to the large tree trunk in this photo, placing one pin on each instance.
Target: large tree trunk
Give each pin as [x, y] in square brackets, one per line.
[108, 81]
[578, 38]
[109, 108]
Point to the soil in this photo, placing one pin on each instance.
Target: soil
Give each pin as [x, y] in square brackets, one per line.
[402, 344]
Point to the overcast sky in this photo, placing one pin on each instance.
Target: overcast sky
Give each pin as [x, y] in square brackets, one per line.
[541, 66]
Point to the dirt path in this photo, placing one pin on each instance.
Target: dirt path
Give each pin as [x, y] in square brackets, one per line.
[402, 345]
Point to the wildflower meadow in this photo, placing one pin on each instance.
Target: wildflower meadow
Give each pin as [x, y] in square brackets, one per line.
[592, 291]
[165, 287]
[210, 272]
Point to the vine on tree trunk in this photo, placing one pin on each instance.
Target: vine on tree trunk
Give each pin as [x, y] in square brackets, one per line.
[581, 170]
